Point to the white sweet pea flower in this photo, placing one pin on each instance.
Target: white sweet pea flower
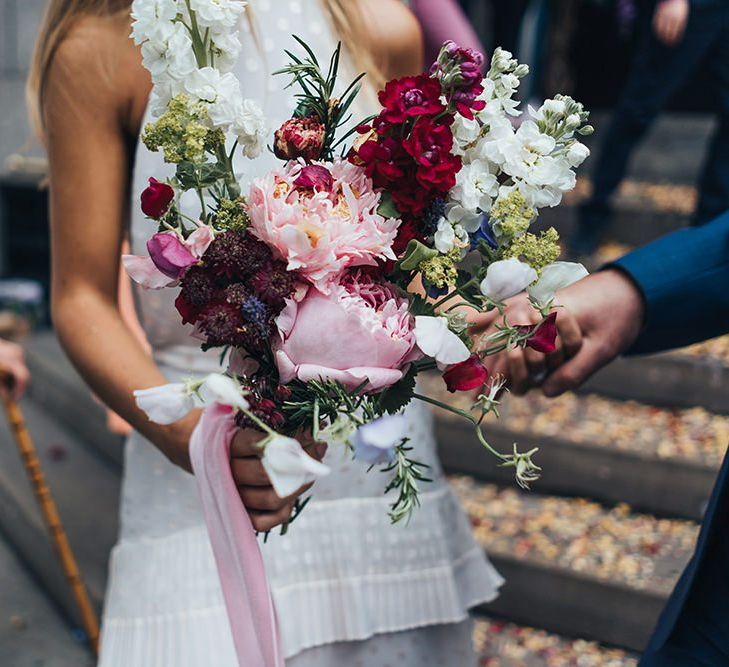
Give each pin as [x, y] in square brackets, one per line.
[166, 404]
[436, 340]
[555, 276]
[506, 278]
[288, 466]
[223, 389]
[375, 442]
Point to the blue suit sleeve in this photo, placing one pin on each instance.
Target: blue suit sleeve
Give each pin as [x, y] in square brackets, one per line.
[684, 279]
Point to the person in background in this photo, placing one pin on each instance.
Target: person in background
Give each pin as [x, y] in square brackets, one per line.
[441, 20]
[681, 38]
[12, 365]
[667, 294]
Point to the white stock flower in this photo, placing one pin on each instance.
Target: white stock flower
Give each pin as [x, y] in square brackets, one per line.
[227, 47]
[475, 188]
[449, 235]
[375, 442]
[219, 388]
[555, 277]
[249, 127]
[577, 153]
[151, 19]
[506, 278]
[166, 404]
[436, 340]
[288, 466]
[217, 14]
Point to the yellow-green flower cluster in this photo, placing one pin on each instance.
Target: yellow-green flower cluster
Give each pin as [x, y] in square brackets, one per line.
[440, 270]
[232, 214]
[182, 132]
[535, 250]
[511, 215]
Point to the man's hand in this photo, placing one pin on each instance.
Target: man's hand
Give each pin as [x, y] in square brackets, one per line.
[669, 20]
[265, 508]
[600, 318]
[12, 364]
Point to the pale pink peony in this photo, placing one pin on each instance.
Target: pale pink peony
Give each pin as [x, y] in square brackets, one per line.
[321, 232]
[360, 331]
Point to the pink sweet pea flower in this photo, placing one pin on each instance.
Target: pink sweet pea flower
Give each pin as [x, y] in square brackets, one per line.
[361, 332]
[170, 254]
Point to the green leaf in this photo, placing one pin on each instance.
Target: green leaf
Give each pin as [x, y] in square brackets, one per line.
[398, 395]
[420, 306]
[387, 208]
[415, 254]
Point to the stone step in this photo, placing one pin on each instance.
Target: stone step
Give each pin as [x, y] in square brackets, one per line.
[85, 488]
[499, 643]
[573, 566]
[57, 386]
[32, 631]
[661, 461]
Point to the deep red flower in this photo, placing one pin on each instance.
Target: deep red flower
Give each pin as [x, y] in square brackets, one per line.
[315, 176]
[407, 231]
[188, 312]
[545, 336]
[156, 198]
[410, 97]
[430, 144]
[469, 374]
[299, 137]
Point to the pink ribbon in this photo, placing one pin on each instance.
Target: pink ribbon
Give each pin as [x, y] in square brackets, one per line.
[237, 553]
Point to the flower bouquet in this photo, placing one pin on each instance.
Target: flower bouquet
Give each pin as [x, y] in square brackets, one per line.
[332, 281]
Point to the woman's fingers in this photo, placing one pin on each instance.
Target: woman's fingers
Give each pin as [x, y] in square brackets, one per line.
[249, 471]
[265, 521]
[246, 442]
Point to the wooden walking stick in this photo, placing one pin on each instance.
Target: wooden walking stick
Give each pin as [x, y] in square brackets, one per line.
[50, 514]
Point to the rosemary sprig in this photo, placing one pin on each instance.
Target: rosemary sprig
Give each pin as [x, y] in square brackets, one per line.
[408, 473]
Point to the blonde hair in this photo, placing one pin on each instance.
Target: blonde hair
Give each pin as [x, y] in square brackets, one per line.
[345, 16]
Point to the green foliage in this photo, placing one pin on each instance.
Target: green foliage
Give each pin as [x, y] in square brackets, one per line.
[415, 254]
[387, 208]
[397, 396]
[408, 473]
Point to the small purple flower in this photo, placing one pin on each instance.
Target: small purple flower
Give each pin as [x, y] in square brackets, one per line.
[375, 443]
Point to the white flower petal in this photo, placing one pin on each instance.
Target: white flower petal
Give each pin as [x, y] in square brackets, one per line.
[218, 388]
[288, 466]
[506, 278]
[166, 404]
[374, 442]
[555, 277]
[436, 340]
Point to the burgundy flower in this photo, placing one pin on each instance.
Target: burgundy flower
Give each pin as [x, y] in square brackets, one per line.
[430, 145]
[197, 286]
[460, 72]
[467, 375]
[315, 176]
[220, 324]
[235, 255]
[544, 337]
[410, 97]
[169, 254]
[300, 137]
[188, 312]
[156, 198]
[273, 284]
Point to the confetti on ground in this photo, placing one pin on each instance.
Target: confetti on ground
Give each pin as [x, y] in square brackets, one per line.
[501, 644]
[613, 545]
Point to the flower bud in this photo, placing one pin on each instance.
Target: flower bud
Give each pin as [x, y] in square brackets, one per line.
[156, 198]
[299, 137]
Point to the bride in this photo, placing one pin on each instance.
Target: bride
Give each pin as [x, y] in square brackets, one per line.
[349, 588]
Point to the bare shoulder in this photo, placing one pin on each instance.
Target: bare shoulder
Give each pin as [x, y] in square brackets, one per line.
[97, 70]
[398, 36]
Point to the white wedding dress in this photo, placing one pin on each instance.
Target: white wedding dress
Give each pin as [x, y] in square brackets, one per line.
[349, 588]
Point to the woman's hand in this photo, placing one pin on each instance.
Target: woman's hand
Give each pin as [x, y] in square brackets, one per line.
[669, 20]
[12, 364]
[265, 508]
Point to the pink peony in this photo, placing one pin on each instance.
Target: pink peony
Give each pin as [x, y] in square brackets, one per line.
[360, 331]
[321, 232]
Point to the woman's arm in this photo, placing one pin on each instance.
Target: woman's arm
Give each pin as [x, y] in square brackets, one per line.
[85, 103]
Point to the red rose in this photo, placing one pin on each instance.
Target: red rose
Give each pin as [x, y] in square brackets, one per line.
[156, 198]
[430, 145]
[469, 374]
[410, 97]
[544, 337]
[299, 137]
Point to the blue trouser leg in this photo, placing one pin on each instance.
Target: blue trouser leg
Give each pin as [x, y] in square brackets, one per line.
[657, 72]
